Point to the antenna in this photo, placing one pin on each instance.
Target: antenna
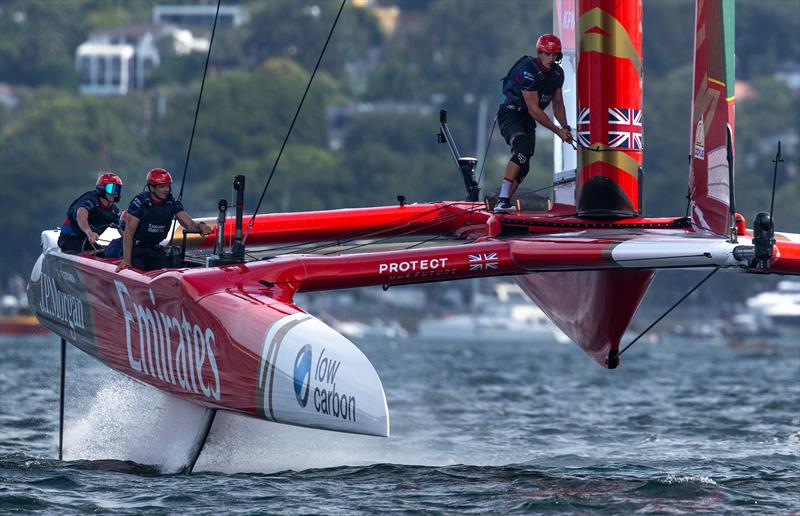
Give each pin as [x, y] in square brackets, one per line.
[291, 126]
[777, 160]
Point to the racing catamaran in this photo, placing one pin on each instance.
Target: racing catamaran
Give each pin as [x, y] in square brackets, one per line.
[222, 329]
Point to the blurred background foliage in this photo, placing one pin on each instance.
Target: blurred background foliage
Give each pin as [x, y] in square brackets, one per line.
[442, 54]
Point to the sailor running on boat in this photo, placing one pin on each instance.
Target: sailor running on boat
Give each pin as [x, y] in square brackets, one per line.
[91, 214]
[148, 221]
[529, 87]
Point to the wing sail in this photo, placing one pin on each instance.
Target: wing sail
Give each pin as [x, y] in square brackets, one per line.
[712, 116]
[565, 158]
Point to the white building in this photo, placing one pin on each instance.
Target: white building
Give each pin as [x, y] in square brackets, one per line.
[199, 15]
[116, 61]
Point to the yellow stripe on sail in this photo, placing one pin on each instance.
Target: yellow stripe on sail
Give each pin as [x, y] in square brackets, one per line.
[618, 43]
[720, 83]
[618, 159]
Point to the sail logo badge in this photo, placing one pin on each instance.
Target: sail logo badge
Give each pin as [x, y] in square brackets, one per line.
[700, 141]
[480, 262]
[302, 375]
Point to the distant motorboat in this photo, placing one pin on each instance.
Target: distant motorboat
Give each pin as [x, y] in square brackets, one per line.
[16, 317]
[781, 306]
[504, 316]
[375, 330]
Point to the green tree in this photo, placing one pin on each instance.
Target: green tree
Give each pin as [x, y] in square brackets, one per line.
[297, 31]
[52, 152]
[39, 37]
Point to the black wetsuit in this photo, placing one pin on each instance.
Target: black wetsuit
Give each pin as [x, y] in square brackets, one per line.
[72, 238]
[155, 219]
[513, 118]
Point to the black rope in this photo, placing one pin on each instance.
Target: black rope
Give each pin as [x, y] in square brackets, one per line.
[291, 126]
[576, 144]
[670, 309]
[777, 161]
[483, 161]
[486, 150]
[362, 235]
[173, 226]
[415, 244]
[199, 98]
[371, 232]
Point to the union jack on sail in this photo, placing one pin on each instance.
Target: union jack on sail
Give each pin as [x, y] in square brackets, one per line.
[583, 128]
[625, 128]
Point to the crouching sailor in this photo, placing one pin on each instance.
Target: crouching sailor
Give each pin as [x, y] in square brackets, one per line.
[148, 221]
[91, 214]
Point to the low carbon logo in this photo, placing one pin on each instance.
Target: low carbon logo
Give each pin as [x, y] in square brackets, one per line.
[302, 375]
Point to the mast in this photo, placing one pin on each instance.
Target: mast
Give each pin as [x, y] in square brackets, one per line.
[609, 128]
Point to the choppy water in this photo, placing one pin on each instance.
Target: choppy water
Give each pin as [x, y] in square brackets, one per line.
[681, 426]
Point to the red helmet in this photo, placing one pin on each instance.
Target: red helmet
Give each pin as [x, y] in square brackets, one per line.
[548, 43]
[159, 176]
[109, 183]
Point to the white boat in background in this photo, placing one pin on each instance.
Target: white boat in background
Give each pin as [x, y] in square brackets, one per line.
[377, 329]
[506, 315]
[780, 307]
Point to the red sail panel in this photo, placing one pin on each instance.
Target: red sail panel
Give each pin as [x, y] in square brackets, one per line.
[712, 116]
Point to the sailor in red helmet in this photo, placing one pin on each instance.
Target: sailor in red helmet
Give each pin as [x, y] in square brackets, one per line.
[91, 214]
[148, 221]
[529, 87]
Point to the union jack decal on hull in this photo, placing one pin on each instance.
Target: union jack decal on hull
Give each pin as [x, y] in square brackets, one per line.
[480, 262]
[625, 129]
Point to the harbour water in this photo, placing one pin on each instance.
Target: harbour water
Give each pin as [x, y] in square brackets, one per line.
[681, 426]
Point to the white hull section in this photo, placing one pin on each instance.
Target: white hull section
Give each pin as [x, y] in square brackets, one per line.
[312, 376]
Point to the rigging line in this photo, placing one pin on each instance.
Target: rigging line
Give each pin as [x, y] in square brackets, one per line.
[291, 126]
[485, 154]
[423, 242]
[577, 144]
[358, 235]
[377, 230]
[199, 99]
[542, 189]
[389, 237]
[325, 243]
[777, 161]
[669, 310]
[486, 150]
[341, 242]
[173, 224]
[444, 219]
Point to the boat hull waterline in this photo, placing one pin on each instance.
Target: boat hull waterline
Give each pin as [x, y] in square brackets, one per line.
[233, 350]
